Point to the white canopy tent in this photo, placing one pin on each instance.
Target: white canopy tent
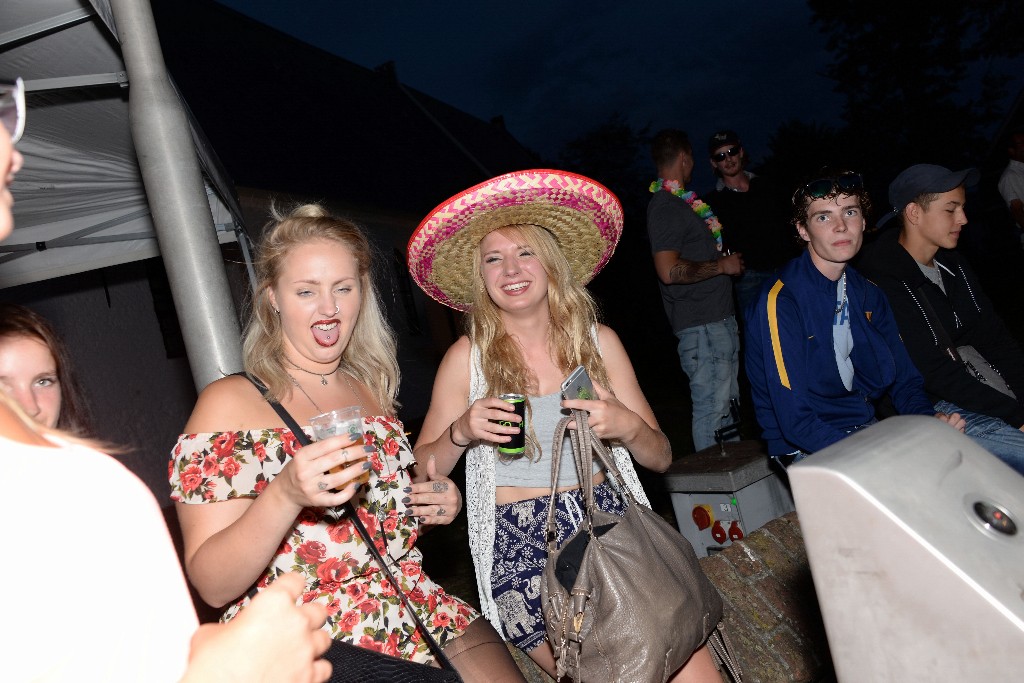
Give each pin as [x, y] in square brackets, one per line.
[80, 201]
[79, 210]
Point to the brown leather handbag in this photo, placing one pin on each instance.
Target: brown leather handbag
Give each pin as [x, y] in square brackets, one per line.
[624, 598]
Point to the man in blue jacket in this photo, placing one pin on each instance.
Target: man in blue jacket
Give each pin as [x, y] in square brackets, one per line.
[822, 346]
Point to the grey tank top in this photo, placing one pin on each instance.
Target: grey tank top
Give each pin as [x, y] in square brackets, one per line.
[547, 411]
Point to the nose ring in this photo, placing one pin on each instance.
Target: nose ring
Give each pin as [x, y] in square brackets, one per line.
[337, 308]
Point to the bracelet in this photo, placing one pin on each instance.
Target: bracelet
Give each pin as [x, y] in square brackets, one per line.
[451, 437]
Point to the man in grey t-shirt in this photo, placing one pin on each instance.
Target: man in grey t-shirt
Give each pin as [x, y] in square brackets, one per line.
[693, 276]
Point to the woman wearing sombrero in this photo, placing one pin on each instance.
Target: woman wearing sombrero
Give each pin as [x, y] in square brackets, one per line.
[515, 253]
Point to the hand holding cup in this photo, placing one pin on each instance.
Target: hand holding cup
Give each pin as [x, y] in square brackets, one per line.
[343, 421]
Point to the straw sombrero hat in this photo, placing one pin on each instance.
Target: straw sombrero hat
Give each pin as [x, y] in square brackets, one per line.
[584, 216]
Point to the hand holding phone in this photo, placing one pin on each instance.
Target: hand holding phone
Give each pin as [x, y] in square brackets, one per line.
[578, 385]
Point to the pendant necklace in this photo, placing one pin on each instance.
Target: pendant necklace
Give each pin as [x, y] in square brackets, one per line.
[319, 410]
[321, 375]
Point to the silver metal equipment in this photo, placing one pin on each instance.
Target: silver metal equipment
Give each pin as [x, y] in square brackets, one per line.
[913, 533]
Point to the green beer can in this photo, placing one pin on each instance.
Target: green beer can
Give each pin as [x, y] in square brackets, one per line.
[517, 446]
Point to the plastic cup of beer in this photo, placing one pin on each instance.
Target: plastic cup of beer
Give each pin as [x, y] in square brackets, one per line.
[342, 421]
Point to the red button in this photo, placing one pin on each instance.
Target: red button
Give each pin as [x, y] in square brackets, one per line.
[701, 517]
[718, 533]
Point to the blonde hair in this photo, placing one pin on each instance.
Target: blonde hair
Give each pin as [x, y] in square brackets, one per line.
[371, 353]
[573, 319]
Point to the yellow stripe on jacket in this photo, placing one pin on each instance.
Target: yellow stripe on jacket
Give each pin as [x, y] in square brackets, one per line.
[773, 329]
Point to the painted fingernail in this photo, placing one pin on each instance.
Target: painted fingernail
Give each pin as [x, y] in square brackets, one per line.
[409, 513]
[423, 520]
[406, 500]
[366, 465]
[369, 449]
[407, 489]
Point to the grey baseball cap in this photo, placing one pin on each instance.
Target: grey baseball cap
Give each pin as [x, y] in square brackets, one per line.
[925, 179]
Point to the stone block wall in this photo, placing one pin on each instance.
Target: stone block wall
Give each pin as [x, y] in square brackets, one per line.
[771, 610]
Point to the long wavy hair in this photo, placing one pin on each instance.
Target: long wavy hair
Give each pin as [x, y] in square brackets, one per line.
[18, 321]
[371, 353]
[573, 318]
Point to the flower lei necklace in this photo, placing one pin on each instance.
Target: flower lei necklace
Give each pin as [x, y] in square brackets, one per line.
[696, 203]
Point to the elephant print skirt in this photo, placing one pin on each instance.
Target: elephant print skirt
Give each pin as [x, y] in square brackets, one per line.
[520, 554]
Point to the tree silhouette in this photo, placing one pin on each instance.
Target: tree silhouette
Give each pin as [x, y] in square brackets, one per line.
[921, 79]
[615, 154]
[922, 82]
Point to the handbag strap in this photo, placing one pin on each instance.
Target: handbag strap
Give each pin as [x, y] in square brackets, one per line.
[936, 324]
[350, 512]
[584, 443]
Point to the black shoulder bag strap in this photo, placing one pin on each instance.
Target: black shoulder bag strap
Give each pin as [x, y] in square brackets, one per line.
[937, 326]
[992, 382]
[350, 512]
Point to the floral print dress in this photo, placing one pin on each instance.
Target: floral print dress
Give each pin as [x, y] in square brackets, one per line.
[324, 545]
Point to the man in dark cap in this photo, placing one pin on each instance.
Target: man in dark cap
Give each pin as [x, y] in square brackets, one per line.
[970, 362]
[754, 214]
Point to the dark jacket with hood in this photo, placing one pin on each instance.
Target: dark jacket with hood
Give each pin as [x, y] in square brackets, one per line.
[968, 318]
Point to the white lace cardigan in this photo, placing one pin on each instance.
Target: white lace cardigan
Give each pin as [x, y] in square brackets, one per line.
[480, 497]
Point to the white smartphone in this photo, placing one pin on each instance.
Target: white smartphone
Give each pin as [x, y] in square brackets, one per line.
[578, 385]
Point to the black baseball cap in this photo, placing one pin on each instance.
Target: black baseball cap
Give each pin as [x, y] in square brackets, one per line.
[925, 179]
[722, 137]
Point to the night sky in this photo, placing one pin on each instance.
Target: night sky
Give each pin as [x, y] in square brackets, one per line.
[556, 70]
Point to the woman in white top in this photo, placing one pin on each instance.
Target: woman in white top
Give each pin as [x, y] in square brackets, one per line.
[97, 593]
[516, 252]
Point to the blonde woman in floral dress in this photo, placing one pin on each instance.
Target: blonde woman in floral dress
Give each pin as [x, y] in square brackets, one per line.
[253, 503]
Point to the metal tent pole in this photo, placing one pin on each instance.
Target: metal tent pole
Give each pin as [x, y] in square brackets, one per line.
[177, 197]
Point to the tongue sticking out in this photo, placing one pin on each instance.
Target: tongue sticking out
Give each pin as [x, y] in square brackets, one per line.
[326, 335]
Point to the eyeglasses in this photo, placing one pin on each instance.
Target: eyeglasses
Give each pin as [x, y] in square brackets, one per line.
[731, 152]
[12, 107]
[845, 183]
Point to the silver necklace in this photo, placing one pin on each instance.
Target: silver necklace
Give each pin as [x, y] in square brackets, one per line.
[321, 375]
[842, 300]
[308, 397]
[319, 410]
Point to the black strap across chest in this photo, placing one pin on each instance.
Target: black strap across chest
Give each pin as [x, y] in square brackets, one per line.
[350, 513]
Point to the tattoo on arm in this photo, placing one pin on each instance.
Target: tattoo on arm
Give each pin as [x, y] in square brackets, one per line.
[687, 272]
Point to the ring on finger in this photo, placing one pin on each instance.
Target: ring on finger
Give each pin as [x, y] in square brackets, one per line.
[321, 485]
[440, 511]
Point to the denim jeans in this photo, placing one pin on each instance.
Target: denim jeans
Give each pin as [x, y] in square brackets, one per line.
[709, 355]
[993, 434]
[748, 286]
[784, 461]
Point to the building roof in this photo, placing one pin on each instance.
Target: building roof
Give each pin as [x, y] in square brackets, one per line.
[287, 116]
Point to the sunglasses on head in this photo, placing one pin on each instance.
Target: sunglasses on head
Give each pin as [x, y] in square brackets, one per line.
[844, 183]
[12, 107]
[731, 152]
